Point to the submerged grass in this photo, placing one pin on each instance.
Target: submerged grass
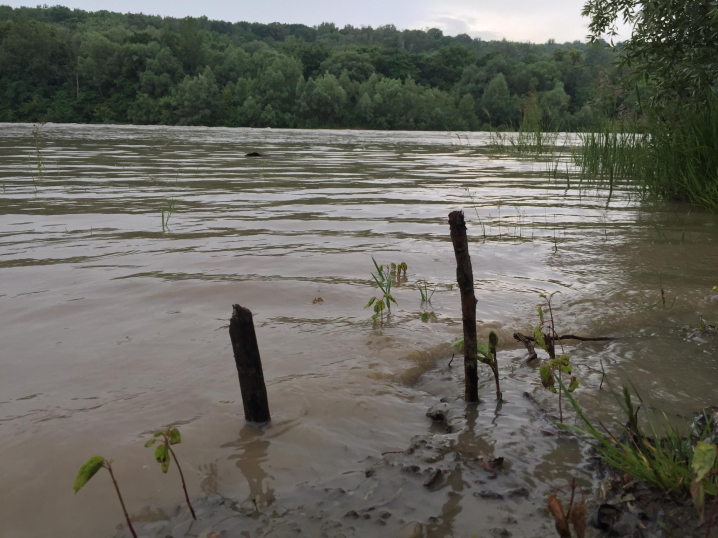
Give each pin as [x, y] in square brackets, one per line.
[666, 460]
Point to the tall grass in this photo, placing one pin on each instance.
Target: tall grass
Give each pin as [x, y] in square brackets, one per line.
[662, 460]
[676, 159]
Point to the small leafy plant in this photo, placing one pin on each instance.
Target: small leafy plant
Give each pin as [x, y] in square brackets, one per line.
[426, 294]
[486, 353]
[383, 280]
[164, 455]
[545, 336]
[88, 470]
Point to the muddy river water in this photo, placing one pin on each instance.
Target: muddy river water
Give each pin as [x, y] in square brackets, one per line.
[112, 326]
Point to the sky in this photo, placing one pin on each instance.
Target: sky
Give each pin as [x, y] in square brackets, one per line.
[515, 20]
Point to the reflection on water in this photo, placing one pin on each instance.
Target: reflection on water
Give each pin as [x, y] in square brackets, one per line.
[253, 454]
[112, 326]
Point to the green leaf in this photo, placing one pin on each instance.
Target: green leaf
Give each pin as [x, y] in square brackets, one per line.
[378, 269]
[158, 433]
[484, 353]
[538, 336]
[371, 302]
[539, 309]
[162, 456]
[574, 384]
[704, 458]
[87, 471]
[175, 437]
[150, 443]
[424, 316]
[698, 493]
[459, 344]
[390, 298]
[547, 378]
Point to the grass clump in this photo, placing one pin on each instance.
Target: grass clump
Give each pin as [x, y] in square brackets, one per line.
[673, 462]
[676, 158]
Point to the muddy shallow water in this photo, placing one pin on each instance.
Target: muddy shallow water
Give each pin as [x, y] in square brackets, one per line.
[112, 327]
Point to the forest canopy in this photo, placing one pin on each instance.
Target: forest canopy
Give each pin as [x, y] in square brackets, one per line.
[64, 65]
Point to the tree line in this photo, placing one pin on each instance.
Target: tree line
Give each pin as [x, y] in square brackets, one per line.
[63, 65]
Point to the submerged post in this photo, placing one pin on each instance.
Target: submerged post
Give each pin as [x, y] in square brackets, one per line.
[465, 278]
[249, 365]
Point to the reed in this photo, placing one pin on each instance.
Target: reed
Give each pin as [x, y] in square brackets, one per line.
[677, 158]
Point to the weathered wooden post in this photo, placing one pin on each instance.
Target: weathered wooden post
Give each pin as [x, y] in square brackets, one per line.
[249, 365]
[465, 278]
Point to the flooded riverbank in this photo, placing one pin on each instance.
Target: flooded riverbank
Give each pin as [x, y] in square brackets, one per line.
[113, 327]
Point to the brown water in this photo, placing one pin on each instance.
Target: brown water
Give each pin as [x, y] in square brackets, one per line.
[112, 328]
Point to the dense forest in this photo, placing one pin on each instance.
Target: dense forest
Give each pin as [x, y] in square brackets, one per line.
[63, 65]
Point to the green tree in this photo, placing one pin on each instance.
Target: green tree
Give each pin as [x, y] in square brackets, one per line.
[497, 101]
[197, 100]
[673, 44]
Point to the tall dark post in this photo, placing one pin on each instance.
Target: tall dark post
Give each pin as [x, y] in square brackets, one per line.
[465, 278]
[249, 365]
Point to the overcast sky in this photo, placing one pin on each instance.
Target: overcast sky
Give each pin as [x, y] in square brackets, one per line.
[516, 20]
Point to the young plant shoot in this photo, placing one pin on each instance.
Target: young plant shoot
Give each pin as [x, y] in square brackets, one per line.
[546, 337]
[164, 455]
[383, 280]
[88, 470]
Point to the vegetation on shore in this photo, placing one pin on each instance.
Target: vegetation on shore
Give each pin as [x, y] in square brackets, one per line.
[63, 65]
[671, 57]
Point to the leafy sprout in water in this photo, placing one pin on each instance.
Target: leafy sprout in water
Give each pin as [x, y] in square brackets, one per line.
[546, 337]
[90, 469]
[426, 293]
[382, 278]
[486, 353]
[164, 455]
[166, 214]
[482, 349]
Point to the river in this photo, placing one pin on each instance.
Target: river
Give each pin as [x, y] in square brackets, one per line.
[114, 325]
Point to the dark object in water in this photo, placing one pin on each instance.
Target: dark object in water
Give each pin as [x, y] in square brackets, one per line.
[465, 278]
[253, 154]
[249, 365]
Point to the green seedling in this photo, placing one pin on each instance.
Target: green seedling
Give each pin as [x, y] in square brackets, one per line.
[426, 316]
[486, 353]
[166, 214]
[449, 287]
[397, 269]
[88, 470]
[382, 278]
[164, 455]
[546, 337]
[493, 343]
[426, 294]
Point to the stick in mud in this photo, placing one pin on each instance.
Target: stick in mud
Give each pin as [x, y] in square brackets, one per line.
[249, 365]
[465, 278]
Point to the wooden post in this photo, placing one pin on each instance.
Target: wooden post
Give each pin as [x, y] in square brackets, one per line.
[249, 365]
[465, 278]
